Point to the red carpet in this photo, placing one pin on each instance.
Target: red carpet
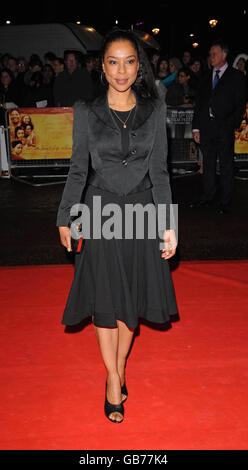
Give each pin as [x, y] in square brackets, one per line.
[187, 386]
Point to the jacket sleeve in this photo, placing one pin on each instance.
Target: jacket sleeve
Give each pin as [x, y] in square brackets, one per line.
[78, 171]
[158, 172]
[196, 114]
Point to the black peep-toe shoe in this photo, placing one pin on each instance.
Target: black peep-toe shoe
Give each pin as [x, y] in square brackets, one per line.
[124, 391]
[110, 408]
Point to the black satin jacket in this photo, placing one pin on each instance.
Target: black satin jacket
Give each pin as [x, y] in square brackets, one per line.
[97, 139]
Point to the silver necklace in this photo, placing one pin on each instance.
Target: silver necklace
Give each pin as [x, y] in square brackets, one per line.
[123, 122]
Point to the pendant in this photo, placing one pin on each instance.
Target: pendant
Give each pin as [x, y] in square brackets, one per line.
[124, 125]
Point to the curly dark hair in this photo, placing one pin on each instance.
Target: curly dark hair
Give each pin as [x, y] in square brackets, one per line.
[144, 85]
[28, 124]
[18, 128]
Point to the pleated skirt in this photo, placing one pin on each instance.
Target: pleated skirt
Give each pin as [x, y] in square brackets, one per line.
[120, 278]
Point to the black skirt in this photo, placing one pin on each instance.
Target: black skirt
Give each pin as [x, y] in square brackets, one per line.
[120, 278]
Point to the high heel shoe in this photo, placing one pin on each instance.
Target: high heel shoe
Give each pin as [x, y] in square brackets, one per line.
[111, 408]
[124, 391]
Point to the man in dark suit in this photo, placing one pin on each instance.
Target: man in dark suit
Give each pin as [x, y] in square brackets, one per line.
[73, 84]
[220, 105]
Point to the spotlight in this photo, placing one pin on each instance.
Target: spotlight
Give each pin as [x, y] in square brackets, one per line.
[213, 23]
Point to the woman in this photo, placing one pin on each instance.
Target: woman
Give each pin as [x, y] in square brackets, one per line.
[48, 74]
[7, 87]
[30, 136]
[20, 135]
[163, 68]
[26, 119]
[174, 66]
[180, 92]
[116, 280]
[240, 62]
[8, 92]
[196, 68]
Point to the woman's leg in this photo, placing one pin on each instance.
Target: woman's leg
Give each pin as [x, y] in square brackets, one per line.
[124, 343]
[114, 346]
[108, 342]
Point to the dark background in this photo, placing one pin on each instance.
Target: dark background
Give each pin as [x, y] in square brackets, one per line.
[176, 20]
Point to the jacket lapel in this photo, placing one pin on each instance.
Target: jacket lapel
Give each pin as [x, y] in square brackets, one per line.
[100, 108]
[143, 110]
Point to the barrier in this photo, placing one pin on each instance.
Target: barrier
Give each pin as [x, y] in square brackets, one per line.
[184, 156]
[39, 144]
[4, 164]
[241, 148]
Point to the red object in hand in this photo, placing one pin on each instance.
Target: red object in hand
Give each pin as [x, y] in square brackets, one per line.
[79, 245]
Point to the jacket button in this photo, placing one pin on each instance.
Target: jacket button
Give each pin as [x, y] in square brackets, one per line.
[133, 152]
[124, 162]
[133, 134]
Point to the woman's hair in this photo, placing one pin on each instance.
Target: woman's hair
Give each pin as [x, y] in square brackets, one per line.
[35, 60]
[28, 124]
[8, 71]
[176, 62]
[17, 129]
[186, 71]
[23, 118]
[37, 78]
[15, 143]
[144, 85]
[161, 59]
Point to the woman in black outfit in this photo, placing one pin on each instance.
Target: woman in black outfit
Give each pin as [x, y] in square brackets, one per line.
[119, 153]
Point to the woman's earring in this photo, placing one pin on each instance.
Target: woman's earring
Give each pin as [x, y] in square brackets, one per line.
[103, 78]
[139, 74]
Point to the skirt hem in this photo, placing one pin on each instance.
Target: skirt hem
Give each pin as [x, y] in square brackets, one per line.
[97, 322]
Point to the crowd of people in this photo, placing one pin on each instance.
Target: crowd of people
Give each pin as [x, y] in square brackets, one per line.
[187, 81]
[50, 81]
[55, 81]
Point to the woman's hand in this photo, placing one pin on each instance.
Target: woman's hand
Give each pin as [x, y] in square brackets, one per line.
[65, 237]
[170, 244]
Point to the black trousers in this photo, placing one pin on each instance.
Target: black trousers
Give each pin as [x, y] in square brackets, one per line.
[217, 143]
